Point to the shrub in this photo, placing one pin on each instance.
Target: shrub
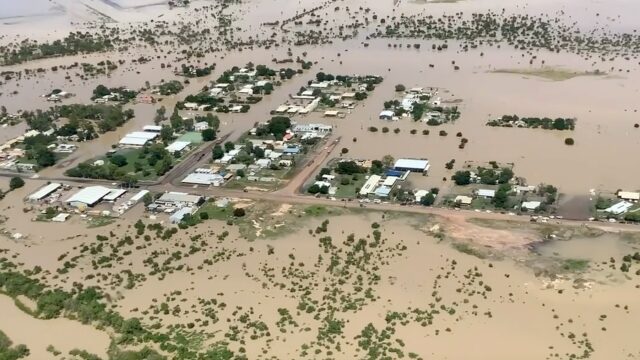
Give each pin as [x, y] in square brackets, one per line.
[239, 212]
[16, 183]
[569, 141]
[400, 87]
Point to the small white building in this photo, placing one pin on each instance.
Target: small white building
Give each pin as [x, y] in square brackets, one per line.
[628, 195]
[176, 217]
[370, 185]
[419, 194]
[177, 146]
[487, 194]
[463, 200]
[531, 205]
[201, 126]
[619, 208]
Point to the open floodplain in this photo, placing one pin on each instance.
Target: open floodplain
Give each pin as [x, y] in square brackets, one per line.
[259, 268]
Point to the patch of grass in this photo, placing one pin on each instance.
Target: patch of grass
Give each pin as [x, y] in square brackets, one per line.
[316, 210]
[349, 191]
[99, 221]
[575, 265]
[549, 73]
[468, 249]
[215, 212]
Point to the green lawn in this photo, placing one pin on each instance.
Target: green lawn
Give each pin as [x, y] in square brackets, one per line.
[147, 172]
[349, 191]
[215, 212]
[194, 137]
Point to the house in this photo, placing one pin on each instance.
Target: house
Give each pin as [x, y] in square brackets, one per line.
[176, 217]
[292, 150]
[419, 194]
[145, 99]
[201, 126]
[236, 109]
[485, 193]
[65, 148]
[387, 115]
[177, 146]
[191, 106]
[413, 165]
[331, 113]
[627, 195]
[370, 185]
[263, 163]
[348, 95]
[619, 208]
[44, 192]
[463, 200]
[531, 205]
[88, 196]
[236, 167]
[348, 105]
[524, 189]
[215, 92]
[320, 85]
[307, 93]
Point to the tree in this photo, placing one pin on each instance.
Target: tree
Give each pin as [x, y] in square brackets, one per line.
[344, 151]
[228, 146]
[240, 173]
[428, 200]
[501, 198]
[217, 152]
[100, 91]
[160, 115]
[388, 160]
[239, 212]
[462, 177]
[208, 135]
[176, 120]
[16, 183]
[569, 141]
[348, 168]
[45, 157]
[118, 160]
[166, 133]
[400, 88]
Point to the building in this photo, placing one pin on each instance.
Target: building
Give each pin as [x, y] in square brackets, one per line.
[390, 181]
[88, 196]
[331, 113]
[177, 146]
[619, 208]
[387, 115]
[114, 195]
[138, 138]
[179, 199]
[382, 192]
[152, 128]
[312, 128]
[487, 194]
[204, 179]
[413, 165]
[44, 192]
[263, 163]
[137, 197]
[201, 126]
[463, 200]
[419, 194]
[180, 214]
[628, 195]
[531, 205]
[370, 185]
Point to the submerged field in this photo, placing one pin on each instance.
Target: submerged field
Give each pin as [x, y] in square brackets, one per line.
[321, 283]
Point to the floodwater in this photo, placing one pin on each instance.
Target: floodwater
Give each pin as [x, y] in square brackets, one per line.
[63, 334]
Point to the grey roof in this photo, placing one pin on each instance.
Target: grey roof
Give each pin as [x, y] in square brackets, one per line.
[44, 191]
[89, 195]
[178, 197]
[417, 164]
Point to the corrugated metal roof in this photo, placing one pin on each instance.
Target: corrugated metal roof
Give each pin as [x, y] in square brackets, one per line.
[114, 194]
[416, 164]
[89, 195]
[178, 197]
[177, 146]
[44, 191]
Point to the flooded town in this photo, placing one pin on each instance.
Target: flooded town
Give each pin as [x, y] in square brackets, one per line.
[320, 179]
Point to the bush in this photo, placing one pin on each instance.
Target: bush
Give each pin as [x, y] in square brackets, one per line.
[400, 87]
[16, 183]
[373, 129]
[239, 212]
[569, 141]
[204, 216]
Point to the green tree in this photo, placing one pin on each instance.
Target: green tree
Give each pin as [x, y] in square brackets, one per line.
[428, 200]
[16, 183]
[228, 146]
[501, 198]
[166, 133]
[45, 157]
[118, 160]
[462, 177]
[239, 212]
[217, 152]
[208, 135]
[400, 88]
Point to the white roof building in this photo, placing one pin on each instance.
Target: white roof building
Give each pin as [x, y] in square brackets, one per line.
[416, 165]
[390, 181]
[137, 197]
[485, 193]
[88, 196]
[463, 200]
[387, 115]
[201, 126]
[531, 205]
[179, 198]
[177, 146]
[203, 179]
[619, 208]
[419, 194]
[628, 195]
[44, 192]
[370, 185]
[114, 194]
[180, 214]
[307, 128]
[138, 138]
